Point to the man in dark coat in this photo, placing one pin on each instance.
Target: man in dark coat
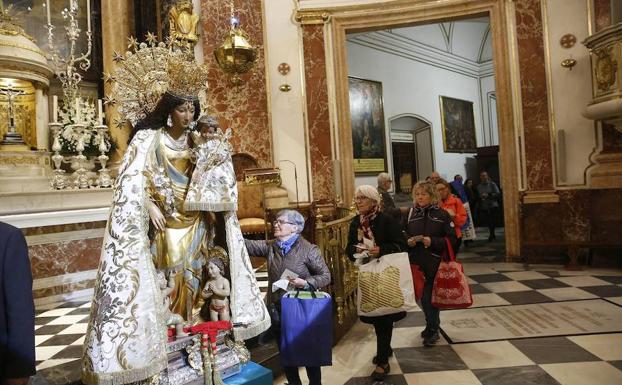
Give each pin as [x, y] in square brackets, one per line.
[17, 313]
[388, 204]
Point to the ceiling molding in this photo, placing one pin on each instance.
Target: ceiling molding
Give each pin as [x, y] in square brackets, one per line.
[407, 48]
[483, 44]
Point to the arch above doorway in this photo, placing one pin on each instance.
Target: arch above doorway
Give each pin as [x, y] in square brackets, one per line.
[415, 130]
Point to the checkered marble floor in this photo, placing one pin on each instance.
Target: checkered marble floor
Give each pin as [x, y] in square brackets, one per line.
[59, 335]
[586, 359]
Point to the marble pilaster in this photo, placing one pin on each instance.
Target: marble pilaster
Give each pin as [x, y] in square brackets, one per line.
[41, 118]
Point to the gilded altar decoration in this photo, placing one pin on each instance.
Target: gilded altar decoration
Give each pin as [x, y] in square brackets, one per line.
[605, 68]
[183, 24]
[9, 24]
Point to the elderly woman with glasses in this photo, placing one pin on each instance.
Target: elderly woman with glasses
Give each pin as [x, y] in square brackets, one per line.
[377, 233]
[292, 252]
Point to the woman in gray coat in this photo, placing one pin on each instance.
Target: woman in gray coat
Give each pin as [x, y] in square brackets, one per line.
[292, 252]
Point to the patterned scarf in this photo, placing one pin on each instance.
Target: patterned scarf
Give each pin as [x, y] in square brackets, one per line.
[365, 224]
[287, 244]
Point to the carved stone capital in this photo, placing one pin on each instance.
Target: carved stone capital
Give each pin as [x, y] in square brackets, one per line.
[311, 17]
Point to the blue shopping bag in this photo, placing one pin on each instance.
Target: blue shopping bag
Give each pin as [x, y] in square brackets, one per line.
[306, 329]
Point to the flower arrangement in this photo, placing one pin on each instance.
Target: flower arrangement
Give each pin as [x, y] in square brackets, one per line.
[92, 138]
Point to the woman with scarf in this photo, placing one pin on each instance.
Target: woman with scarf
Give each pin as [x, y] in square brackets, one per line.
[427, 228]
[292, 252]
[378, 234]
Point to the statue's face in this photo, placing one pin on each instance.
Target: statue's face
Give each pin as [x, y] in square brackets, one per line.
[182, 115]
[213, 270]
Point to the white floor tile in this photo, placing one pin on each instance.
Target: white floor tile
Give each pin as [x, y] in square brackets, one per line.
[75, 329]
[41, 339]
[68, 320]
[580, 281]
[584, 373]
[525, 275]
[616, 300]
[411, 337]
[472, 269]
[45, 352]
[506, 286]
[487, 355]
[488, 299]
[453, 377]
[57, 312]
[567, 293]
[79, 341]
[607, 347]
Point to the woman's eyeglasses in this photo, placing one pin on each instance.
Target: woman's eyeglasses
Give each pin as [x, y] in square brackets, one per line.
[360, 198]
[281, 222]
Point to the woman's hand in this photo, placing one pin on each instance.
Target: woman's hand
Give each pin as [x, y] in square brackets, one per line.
[374, 252]
[298, 283]
[427, 241]
[451, 212]
[411, 241]
[157, 218]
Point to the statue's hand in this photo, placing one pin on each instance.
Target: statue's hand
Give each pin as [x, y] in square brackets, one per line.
[157, 218]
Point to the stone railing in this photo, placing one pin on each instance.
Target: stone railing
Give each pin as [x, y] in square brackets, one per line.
[332, 238]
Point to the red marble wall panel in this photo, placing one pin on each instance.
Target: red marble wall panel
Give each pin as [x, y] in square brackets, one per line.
[63, 289]
[63, 228]
[52, 259]
[602, 14]
[534, 95]
[318, 120]
[244, 108]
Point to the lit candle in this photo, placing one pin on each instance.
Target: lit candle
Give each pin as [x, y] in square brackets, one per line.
[88, 15]
[78, 120]
[47, 6]
[100, 117]
[55, 109]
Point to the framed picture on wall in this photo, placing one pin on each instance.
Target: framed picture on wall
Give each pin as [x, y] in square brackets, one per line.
[368, 131]
[458, 125]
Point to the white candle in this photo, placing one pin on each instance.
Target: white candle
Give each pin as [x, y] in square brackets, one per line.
[47, 6]
[78, 119]
[88, 15]
[54, 109]
[100, 117]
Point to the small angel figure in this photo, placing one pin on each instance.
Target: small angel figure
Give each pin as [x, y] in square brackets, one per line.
[217, 290]
[166, 288]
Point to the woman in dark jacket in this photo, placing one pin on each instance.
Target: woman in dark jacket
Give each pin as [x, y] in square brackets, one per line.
[426, 227]
[291, 251]
[386, 235]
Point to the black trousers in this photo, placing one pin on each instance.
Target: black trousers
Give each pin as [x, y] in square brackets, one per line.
[314, 373]
[490, 216]
[383, 326]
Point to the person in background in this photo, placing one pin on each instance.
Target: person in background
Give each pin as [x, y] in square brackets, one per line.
[385, 233]
[17, 311]
[388, 205]
[458, 189]
[434, 176]
[291, 251]
[426, 227]
[454, 207]
[489, 194]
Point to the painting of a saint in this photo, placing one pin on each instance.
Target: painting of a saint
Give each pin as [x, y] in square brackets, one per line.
[458, 125]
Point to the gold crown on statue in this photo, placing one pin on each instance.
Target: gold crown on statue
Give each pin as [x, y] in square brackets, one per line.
[149, 70]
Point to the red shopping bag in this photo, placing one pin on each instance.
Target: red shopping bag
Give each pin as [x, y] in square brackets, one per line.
[451, 288]
[418, 280]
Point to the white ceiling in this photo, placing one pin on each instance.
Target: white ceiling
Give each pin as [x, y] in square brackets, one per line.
[468, 39]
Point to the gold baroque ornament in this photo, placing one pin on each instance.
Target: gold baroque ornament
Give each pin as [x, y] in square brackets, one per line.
[605, 68]
[144, 75]
[312, 17]
[183, 24]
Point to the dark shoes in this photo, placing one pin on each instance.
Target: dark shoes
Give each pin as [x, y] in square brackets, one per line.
[380, 373]
[431, 339]
[375, 359]
[427, 332]
[491, 238]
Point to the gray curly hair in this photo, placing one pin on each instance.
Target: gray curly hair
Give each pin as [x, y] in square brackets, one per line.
[294, 217]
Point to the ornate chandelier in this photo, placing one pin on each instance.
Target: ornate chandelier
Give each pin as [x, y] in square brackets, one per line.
[235, 55]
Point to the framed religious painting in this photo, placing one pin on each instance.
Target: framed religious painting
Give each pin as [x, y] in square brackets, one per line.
[368, 130]
[457, 125]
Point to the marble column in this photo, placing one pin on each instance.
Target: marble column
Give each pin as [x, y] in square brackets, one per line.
[117, 26]
[318, 119]
[41, 118]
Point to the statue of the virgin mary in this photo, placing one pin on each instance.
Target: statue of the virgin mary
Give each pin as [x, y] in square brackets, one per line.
[174, 202]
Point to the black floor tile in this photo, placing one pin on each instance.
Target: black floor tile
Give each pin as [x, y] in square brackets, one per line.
[552, 274]
[50, 330]
[61, 339]
[44, 320]
[519, 375]
[486, 278]
[415, 318]
[615, 279]
[549, 283]
[604, 291]
[524, 297]
[553, 350]
[72, 304]
[617, 364]
[432, 359]
[73, 351]
[80, 311]
[478, 289]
